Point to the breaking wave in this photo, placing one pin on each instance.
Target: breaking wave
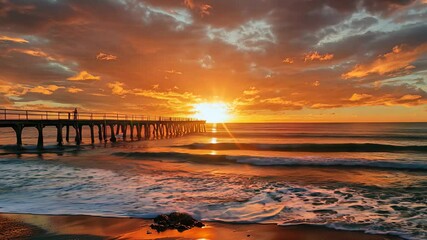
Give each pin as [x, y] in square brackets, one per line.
[280, 161]
[309, 147]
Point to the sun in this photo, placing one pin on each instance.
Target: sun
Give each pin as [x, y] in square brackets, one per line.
[212, 112]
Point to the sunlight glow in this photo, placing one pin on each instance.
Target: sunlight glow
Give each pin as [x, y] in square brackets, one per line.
[212, 112]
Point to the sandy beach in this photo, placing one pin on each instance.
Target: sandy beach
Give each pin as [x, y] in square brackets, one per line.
[27, 226]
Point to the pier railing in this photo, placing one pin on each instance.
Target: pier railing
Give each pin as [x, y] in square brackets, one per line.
[17, 114]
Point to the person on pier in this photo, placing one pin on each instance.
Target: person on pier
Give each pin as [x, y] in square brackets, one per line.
[75, 114]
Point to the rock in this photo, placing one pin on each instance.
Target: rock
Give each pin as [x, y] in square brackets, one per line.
[149, 232]
[175, 220]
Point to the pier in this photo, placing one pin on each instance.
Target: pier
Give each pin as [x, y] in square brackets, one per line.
[102, 126]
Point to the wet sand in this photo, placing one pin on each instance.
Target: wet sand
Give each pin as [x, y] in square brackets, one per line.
[28, 226]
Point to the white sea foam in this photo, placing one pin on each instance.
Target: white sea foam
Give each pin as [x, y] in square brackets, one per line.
[324, 161]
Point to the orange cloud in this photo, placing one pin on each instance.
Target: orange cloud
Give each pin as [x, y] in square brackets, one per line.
[387, 100]
[173, 72]
[48, 90]
[357, 97]
[189, 3]
[171, 97]
[84, 76]
[12, 39]
[324, 106]
[399, 59]
[251, 91]
[117, 88]
[74, 90]
[35, 53]
[12, 90]
[315, 56]
[316, 83]
[204, 9]
[106, 56]
[288, 60]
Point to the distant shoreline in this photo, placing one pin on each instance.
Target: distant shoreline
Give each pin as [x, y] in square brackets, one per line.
[30, 226]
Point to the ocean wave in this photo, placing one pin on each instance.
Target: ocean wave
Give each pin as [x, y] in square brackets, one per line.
[287, 135]
[281, 161]
[309, 147]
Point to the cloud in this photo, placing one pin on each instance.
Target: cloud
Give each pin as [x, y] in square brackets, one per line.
[190, 4]
[106, 56]
[117, 88]
[325, 106]
[273, 104]
[398, 60]
[288, 60]
[207, 62]
[173, 72]
[252, 101]
[74, 90]
[171, 97]
[12, 90]
[315, 56]
[252, 36]
[31, 52]
[12, 39]
[316, 83]
[251, 91]
[84, 76]
[152, 14]
[391, 100]
[46, 90]
[4, 101]
[203, 8]
[358, 97]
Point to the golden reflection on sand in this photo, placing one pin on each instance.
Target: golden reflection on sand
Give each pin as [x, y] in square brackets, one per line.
[128, 228]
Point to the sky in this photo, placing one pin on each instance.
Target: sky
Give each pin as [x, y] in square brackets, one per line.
[266, 60]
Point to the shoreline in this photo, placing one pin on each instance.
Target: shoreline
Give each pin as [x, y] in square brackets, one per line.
[35, 226]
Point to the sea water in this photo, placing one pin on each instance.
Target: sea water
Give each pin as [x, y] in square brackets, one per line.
[370, 177]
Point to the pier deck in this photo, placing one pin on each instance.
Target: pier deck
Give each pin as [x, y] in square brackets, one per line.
[108, 125]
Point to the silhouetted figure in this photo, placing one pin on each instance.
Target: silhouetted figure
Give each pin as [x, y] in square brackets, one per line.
[75, 113]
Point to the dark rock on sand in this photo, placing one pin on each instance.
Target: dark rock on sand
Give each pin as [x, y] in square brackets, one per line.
[175, 220]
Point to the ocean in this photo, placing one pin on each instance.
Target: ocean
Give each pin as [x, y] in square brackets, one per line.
[369, 177]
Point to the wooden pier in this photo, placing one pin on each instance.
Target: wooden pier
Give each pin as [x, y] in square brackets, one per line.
[108, 125]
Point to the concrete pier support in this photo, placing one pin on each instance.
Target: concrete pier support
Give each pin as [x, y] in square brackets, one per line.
[92, 134]
[138, 131]
[59, 139]
[118, 129]
[67, 133]
[113, 136]
[104, 131]
[125, 129]
[131, 131]
[81, 132]
[99, 132]
[18, 131]
[77, 139]
[40, 137]
[147, 131]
